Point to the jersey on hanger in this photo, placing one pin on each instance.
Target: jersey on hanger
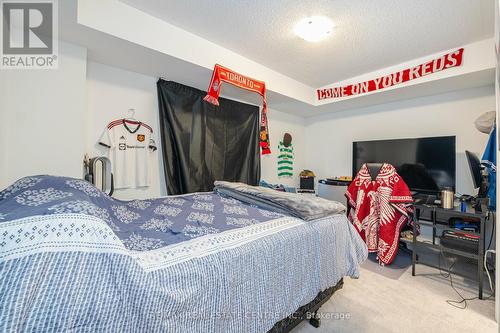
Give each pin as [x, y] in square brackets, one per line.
[130, 144]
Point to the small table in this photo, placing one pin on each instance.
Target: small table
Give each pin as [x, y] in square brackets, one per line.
[440, 218]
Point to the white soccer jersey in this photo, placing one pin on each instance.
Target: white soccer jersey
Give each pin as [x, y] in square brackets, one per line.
[130, 145]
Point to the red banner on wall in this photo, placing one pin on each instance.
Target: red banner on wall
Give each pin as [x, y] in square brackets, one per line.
[222, 74]
[449, 60]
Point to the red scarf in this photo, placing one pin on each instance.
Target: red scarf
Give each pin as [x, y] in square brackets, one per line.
[222, 74]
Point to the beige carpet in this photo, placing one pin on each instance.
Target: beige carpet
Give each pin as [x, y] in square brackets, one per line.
[377, 304]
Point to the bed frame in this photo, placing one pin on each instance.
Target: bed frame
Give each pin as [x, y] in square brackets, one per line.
[309, 311]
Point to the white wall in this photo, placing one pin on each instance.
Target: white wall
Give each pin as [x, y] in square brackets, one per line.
[67, 109]
[42, 121]
[279, 124]
[110, 93]
[328, 139]
[61, 97]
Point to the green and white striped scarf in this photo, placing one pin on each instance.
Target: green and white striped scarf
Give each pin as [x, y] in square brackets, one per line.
[285, 160]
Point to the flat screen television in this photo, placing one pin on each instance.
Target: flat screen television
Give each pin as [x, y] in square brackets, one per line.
[427, 165]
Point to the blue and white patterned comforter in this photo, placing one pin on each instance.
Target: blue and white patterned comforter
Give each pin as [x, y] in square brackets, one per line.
[73, 259]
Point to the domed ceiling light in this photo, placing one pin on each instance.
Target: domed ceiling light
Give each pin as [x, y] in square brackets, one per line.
[314, 28]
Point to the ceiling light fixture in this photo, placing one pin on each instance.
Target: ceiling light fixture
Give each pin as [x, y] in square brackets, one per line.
[314, 28]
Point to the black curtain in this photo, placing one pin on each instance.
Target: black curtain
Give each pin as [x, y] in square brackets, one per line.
[202, 143]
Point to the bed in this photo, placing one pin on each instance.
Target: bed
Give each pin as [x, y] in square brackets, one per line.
[73, 259]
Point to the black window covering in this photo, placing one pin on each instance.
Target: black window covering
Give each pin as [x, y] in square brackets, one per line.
[202, 143]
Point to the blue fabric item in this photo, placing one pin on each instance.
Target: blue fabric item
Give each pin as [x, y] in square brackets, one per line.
[489, 161]
[278, 187]
[141, 224]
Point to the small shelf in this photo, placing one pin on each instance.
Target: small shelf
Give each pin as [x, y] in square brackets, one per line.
[445, 249]
[439, 219]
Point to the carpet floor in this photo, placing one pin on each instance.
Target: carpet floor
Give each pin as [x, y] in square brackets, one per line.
[375, 303]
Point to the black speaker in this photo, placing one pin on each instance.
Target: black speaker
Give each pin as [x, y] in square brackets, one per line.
[307, 183]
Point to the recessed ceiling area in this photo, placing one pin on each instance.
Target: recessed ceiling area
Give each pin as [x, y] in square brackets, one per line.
[368, 35]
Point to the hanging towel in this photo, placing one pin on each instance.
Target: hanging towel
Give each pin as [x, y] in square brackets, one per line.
[489, 161]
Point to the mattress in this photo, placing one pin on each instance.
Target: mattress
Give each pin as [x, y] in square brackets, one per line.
[75, 271]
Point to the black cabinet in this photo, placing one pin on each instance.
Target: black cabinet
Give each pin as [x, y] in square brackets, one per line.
[442, 222]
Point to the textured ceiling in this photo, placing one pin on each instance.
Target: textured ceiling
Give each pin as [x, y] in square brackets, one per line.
[369, 34]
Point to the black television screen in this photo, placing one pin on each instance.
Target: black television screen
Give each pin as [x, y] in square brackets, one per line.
[426, 164]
